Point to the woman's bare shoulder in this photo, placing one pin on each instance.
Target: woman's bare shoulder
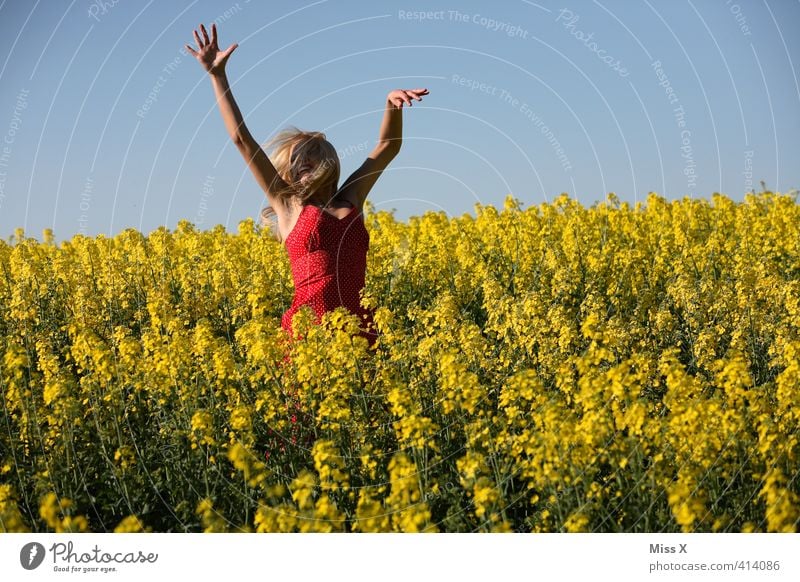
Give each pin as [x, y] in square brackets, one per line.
[281, 218]
[351, 198]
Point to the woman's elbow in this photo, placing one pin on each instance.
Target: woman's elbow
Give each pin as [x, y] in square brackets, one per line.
[391, 148]
[238, 140]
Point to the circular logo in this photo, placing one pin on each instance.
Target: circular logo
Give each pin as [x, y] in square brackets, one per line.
[31, 555]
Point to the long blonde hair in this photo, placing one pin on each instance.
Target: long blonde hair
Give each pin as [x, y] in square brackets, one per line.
[291, 149]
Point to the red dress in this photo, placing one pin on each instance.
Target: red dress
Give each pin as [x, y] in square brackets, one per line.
[328, 256]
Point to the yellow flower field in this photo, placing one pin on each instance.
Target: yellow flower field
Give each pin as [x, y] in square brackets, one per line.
[554, 368]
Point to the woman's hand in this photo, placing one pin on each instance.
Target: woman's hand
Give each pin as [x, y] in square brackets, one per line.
[209, 55]
[400, 96]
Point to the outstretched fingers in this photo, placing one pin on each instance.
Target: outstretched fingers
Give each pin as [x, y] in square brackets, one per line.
[416, 93]
[399, 97]
[409, 94]
[229, 50]
[205, 34]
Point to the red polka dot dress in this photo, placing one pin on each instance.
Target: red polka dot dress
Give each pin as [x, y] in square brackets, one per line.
[328, 257]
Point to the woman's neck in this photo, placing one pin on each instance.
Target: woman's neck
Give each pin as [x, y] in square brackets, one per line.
[327, 199]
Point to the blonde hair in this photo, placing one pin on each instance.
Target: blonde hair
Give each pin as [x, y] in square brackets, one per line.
[291, 149]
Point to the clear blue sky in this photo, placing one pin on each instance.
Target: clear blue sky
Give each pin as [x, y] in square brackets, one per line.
[106, 124]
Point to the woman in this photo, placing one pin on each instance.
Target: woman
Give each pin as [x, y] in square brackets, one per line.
[320, 224]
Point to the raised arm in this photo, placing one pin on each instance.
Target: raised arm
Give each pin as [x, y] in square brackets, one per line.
[359, 184]
[213, 61]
